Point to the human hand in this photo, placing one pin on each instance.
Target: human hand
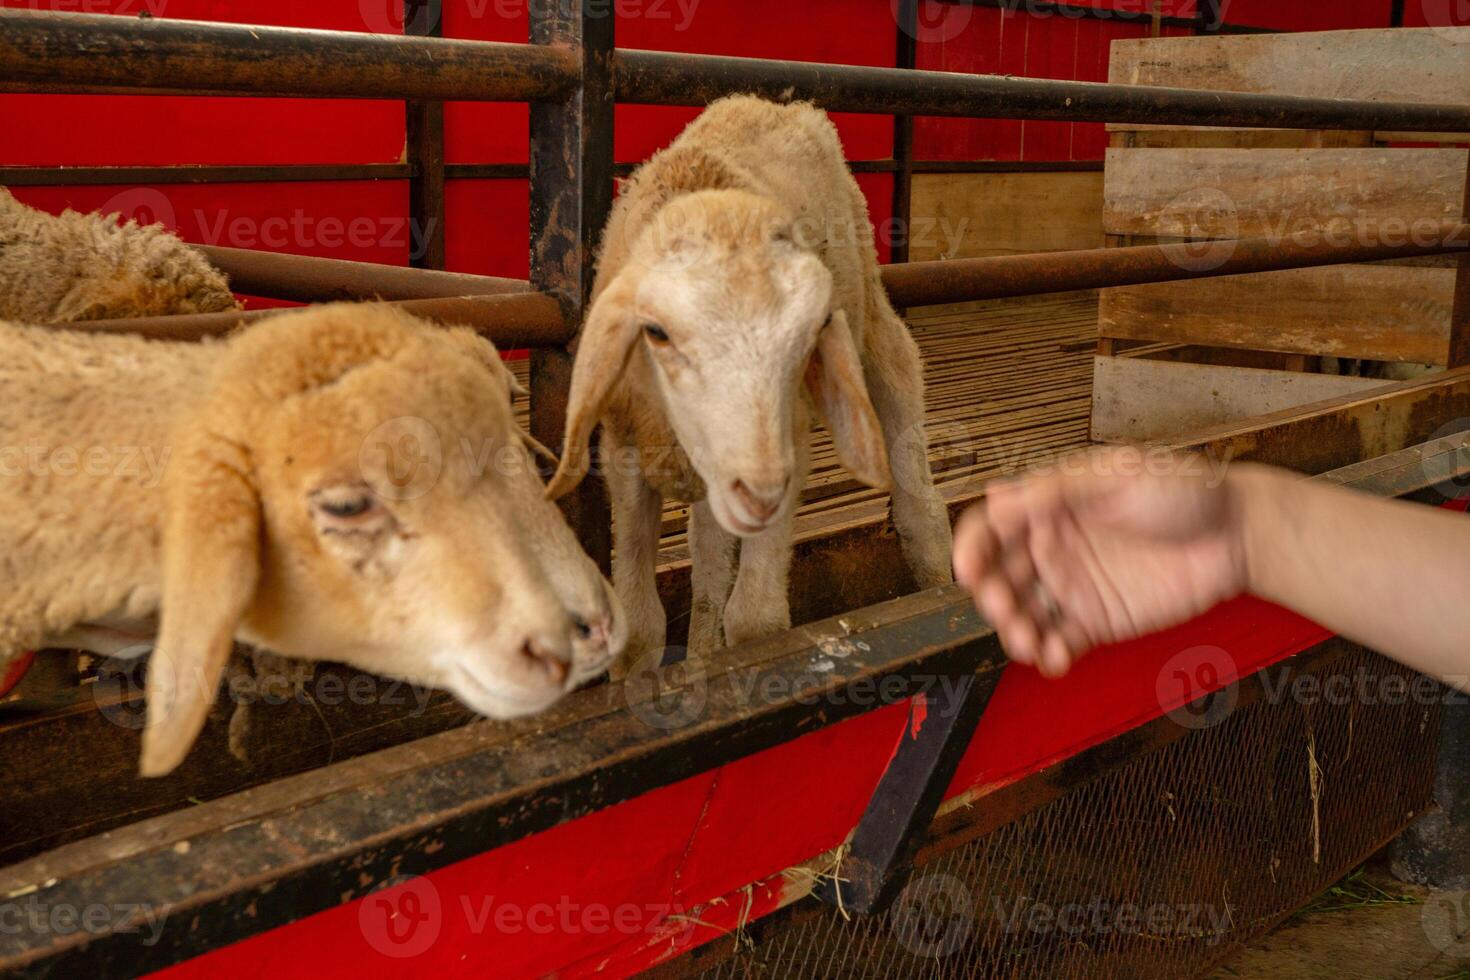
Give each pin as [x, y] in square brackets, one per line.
[1102, 547]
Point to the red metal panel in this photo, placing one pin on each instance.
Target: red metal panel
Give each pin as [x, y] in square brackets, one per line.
[983, 41]
[487, 226]
[52, 130]
[365, 221]
[679, 848]
[1051, 52]
[1339, 15]
[857, 32]
[1436, 13]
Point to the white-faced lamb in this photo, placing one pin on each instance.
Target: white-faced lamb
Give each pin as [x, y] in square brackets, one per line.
[343, 482]
[60, 268]
[737, 290]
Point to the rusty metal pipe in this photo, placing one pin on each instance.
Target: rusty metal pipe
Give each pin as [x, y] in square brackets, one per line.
[309, 279]
[84, 51]
[510, 320]
[666, 78]
[535, 320]
[47, 51]
[996, 277]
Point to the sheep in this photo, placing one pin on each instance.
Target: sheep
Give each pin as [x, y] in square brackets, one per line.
[738, 288]
[341, 482]
[68, 267]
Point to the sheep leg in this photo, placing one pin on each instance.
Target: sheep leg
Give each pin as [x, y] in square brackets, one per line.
[760, 603]
[637, 514]
[895, 377]
[712, 556]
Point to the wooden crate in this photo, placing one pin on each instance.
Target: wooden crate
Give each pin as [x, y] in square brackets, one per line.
[1163, 364]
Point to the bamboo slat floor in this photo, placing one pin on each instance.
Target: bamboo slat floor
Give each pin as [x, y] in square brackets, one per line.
[1009, 383]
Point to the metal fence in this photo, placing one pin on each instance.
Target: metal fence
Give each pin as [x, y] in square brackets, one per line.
[572, 74]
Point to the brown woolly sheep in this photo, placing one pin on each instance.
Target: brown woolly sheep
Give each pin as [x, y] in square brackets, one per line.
[58, 268]
[343, 482]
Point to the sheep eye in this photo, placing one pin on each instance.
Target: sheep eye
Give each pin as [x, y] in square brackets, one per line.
[347, 508]
[656, 333]
[344, 503]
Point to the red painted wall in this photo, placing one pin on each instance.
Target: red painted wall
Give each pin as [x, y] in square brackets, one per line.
[486, 225]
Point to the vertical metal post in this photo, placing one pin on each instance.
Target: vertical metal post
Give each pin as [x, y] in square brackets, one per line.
[571, 194]
[906, 56]
[1396, 14]
[424, 124]
[941, 723]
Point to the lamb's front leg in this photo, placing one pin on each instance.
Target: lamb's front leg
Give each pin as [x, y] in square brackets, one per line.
[637, 511]
[760, 604]
[712, 557]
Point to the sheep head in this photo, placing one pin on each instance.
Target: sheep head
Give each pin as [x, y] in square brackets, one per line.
[734, 316]
[354, 488]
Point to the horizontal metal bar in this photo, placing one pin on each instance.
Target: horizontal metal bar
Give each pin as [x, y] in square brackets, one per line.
[533, 319]
[1070, 11]
[75, 52]
[999, 276]
[666, 78]
[309, 279]
[207, 174]
[267, 173]
[75, 49]
[341, 830]
[511, 320]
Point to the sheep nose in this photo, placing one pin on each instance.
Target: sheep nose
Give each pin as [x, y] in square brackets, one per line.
[761, 504]
[597, 632]
[546, 660]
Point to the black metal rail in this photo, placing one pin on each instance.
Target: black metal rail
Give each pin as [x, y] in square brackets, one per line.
[86, 51]
[276, 853]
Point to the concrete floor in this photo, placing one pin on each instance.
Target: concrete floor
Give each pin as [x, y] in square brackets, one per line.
[1370, 927]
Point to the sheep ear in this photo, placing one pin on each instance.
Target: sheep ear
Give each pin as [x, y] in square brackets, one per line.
[211, 564]
[834, 377]
[602, 352]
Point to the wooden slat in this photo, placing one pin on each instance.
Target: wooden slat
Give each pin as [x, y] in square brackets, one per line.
[1392, 313]
[967, 215]
[1220, 193]
[1135, 399]
[1341, 431]
[1204, 137]
[1422, 65]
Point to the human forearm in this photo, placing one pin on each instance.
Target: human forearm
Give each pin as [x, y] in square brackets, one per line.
[1389, 574]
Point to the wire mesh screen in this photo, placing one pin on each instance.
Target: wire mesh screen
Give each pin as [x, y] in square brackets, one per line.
[1156, 868]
